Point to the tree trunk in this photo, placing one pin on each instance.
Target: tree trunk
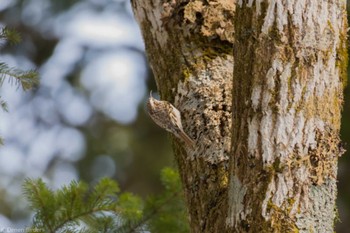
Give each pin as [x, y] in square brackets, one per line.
[266, 159]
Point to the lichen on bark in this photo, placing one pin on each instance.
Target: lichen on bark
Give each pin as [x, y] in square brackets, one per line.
[284, 103]
[210, 18]
[190, 51]
[287, 143]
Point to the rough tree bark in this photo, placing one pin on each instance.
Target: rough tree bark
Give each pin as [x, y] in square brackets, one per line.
[290, 60]
[266, 132]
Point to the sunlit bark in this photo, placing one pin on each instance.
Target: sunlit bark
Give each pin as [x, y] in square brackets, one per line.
[280, 107]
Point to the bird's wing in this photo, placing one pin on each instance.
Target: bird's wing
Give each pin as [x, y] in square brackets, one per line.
[177, 115]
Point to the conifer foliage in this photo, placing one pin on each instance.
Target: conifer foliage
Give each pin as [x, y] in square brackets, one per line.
[104, 208]
[78, 207]
[22, 79]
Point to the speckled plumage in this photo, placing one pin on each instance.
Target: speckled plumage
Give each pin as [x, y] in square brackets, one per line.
[167, 117]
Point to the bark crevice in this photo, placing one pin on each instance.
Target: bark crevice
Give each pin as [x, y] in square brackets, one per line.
[267, 133]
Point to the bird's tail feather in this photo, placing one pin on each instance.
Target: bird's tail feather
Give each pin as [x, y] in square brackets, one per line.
[189, 142]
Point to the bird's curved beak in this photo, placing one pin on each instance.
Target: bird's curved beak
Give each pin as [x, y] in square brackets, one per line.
[150, 94]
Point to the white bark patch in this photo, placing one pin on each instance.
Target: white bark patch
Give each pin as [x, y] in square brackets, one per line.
[270, 17]
[281, 191]
[282, 134]
[324, 15]
[284, 80]
[266, 129]
[294, 106]
[250, 3]
[270, 190]
[302, 174]
[154, 17]
[297, 9]
[320, 215]
[253, 127]
[325, 77]
[280, 188]
[283, 130]
[277, 13]
[310, 128]
[298, 132]
[236, 210]
[276, 193]
[285, 118]
[295, 206]
[281, 15]
[256, 95]
[270, 83]
[258, 6]
[297, 91]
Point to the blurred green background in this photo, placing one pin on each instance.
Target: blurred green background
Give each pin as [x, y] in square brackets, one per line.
[87, 119]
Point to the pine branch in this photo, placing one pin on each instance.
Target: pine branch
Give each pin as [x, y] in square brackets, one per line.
[157, 207]
[70, 205]
[105, 187]
[10, 35]
[171, 214]
[42, 200]
[24, 79]
[82, 216]
[155, 210]
[103, 209]
[3, 105]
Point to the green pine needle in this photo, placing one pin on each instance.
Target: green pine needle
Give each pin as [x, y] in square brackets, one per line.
[130, 206]
[67, 208]
[10, 35]
[3, 105]
[103, 208]
[24, 79]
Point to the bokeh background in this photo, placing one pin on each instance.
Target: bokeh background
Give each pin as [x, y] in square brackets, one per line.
[87, 119]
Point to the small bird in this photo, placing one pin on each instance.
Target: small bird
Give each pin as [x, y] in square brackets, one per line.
[168, 117]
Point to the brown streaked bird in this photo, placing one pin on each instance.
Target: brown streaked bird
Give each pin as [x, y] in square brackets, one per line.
[167, 117]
